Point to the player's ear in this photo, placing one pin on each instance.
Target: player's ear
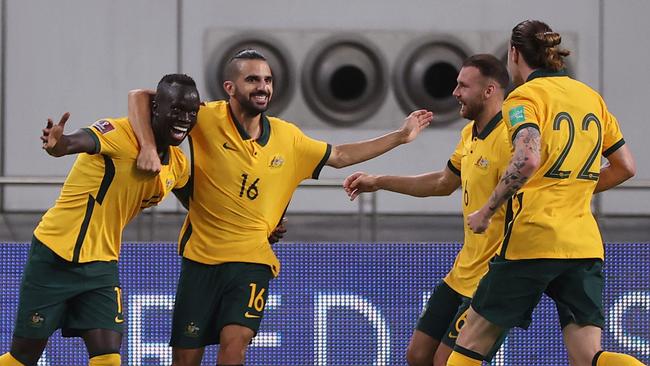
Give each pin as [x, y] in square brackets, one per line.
[229, 87]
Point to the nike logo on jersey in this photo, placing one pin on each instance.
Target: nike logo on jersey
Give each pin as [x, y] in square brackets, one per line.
[451, 335]
[251, 316]
[228, 147]
[118, 319]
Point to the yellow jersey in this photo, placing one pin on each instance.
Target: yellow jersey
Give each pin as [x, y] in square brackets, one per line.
[103, 192]
[551, 214]
[480, 159]
[241, 187]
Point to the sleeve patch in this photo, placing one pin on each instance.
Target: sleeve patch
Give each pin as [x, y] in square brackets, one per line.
[516, 115]
[103, 126]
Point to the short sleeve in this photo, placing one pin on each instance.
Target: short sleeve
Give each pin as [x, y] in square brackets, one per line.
[454, 163]
[519, 112]
[311, 155]
[109, 135]
[612, 135]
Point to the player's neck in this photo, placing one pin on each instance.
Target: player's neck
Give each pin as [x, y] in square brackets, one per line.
[489, 111]
[250, 123]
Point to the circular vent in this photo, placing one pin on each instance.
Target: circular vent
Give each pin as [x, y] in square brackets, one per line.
[344, 80]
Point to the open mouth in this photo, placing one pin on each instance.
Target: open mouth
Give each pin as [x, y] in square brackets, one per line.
[178, 132]
[260, 98]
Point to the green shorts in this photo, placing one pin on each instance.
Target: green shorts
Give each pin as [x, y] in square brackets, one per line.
[210, 297]
[510, 291]
[55, 293]
[445, 314]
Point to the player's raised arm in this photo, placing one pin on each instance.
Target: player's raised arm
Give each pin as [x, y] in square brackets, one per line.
[348, 154]
[140, 119]
[440, 183]
[57, 144]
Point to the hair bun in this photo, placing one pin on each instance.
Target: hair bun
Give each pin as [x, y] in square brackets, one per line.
[549, 39]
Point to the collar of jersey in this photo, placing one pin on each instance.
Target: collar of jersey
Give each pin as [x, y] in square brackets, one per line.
[544, 73]
[266, 128]
[164, 160]
[489, 127]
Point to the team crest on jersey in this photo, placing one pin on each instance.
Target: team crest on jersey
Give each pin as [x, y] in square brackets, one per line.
[276, 162]
[36, 320]
[192, 330]
[482, 163]
[103, 126]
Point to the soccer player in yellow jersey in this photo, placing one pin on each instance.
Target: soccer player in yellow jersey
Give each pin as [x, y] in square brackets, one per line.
[70, 279]
[476, 165]
[245, 168]
[560, 129]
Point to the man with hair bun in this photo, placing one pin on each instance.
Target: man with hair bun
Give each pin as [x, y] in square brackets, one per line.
[560, 129]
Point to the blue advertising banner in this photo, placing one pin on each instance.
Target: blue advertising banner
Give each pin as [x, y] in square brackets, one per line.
[340, 304]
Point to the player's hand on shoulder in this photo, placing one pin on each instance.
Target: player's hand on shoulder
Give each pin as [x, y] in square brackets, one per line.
[149, 161]
[52, 136]
[414, 124]
[359, 182]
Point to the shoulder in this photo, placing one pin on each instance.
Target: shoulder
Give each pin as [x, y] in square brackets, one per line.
[282, 126]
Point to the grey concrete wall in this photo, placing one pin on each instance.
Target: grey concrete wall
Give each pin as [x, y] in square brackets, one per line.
[83, 56]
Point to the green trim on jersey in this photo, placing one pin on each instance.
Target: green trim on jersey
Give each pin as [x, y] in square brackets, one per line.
[322, 162]
[494, 122]
[453, 168]
[527, 124]
[98, 145]
[613, 148]
[109, 174]
[544, 73]
[265, 126]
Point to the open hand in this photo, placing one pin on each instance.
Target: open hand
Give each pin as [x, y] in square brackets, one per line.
[52, 134]
[415, 123]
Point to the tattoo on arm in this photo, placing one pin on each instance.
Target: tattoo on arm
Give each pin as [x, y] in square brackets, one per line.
[527, 144]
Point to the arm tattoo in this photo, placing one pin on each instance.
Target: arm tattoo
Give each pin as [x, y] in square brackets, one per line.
[527, 143]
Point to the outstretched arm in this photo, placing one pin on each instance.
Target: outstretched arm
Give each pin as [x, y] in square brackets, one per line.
[140, 118]
[620, 167]
[348, 154]
[524, 163]
[440, 183]
[57, 144]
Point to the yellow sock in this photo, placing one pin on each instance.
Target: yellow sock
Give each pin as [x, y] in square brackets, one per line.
[616, 359]
[458, 359]
[111, 359]
[8, 360]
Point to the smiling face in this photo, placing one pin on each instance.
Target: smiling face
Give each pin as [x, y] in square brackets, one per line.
[252, 86]
[175, 109]
[470, 92]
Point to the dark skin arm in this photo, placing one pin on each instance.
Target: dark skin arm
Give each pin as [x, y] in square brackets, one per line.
[57, 144]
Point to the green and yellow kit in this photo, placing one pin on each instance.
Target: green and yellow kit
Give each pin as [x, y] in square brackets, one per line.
[103, 192]
[241, 187]
[480, 159]
[550, 216]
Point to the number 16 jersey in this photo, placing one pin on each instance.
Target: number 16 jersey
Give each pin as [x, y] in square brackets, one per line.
[241, 187]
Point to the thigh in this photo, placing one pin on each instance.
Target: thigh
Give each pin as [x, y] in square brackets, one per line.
[577, 293]
[99, 308]
[510, 291]
[245, 295]
[102, 341]
[46, 286]
[439, 312]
